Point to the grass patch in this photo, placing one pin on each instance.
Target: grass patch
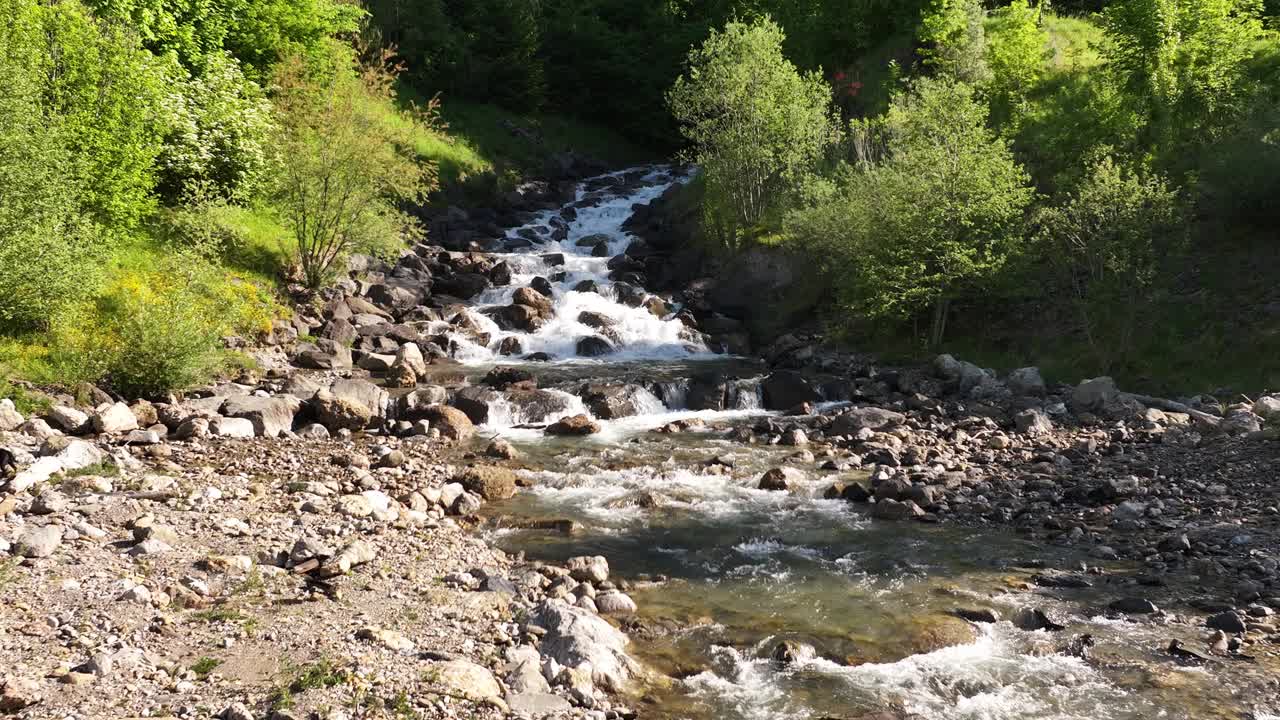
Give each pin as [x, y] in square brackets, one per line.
[205, 665]
[7, 568]
[323, 673]
[99, 469]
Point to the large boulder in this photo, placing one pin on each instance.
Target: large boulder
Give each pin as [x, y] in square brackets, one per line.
[339, 413]
[113, 419]
[489, 482]
[517, 317]
[1095, 395]
[1027, 381]
[10, 418]
[528, 297]
[786, 389]
[594, 346]
[451, 422]
[271, 416]
[475, 401]
[68, 419]
[577, 638]
[373, 398]
[963, 375]
[1033, 422]
[462, 678]
[870, 418]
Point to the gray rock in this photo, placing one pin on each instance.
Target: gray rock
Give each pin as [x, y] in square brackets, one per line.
[271, 416]
[588, 568]
[68, 419]
[10, 418]
[896, 510]
[38, 542]
[1134, 606]
[1267, 408]
[1027, 382]
[865, 418]
[1229, 622]
[1094, 395]
[780, 479]
[615, 603]
[464, 678]
[577, 637]
[231, 428]
[337, 413]
[114, 418]
[1033, 422]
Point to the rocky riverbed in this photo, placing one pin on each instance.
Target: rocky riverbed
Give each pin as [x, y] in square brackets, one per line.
[499, 478]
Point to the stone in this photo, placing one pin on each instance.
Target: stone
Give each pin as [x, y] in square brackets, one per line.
[531, 298]
[517, 317]
[236, 711]
[1094, 395]
[578, 638]
[896, 510]
[114, 418]
[271, 416]
[593, 346]
[868, 418]
[615, 603]
[489, 482]
[1267, 407]
[10, 418]
[68, 419]
[314, 431]
[780, 479]
[786, 389]
[1228, 622]
[38, 542]
[1027, 382]
[356, 506]
[232, 428]
[451, 422]
[338, 413]
[611, 402]
[502, 450]
[1033, 422]
[977, 615]
[791, 652]
[588, 568]
[1032, 619]
[390, 639]
[575, 425]
[18, 694]
[466, 679]
[356, 553]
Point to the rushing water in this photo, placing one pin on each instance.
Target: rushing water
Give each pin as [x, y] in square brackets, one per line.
[726, 571]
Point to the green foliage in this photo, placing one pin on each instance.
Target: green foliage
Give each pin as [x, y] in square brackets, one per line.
[1108, 240]
[939, 213]
[1181, 64]
[755, 122]
[220, 134]
[1017, 49]
[205, 666]
[954, 39]
[344, 169]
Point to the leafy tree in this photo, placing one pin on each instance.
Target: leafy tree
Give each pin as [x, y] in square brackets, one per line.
[1016, 54]
[1182, 65]
[1107, 240]
[345, 164]
[755, 122]
[940, 211]
[954, 39]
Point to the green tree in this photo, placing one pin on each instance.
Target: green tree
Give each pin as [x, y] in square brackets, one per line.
[941, 210]
[1107, 240]
[1016, 53]
[1182, 64]
[754, 121]
[345, 164]
[954, 39]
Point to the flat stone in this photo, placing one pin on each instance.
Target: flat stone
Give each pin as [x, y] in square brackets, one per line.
[38, 542]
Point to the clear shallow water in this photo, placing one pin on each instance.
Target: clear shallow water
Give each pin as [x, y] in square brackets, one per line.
[743, 569]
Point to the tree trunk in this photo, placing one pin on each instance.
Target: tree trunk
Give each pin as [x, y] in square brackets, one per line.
[941, 309]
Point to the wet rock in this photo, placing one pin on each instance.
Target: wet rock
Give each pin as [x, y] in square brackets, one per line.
[510, 346]
[896, 510]
[786, 389]
[1230, 622]
[506, 378]
[594, 346]
[610, 402]
[1032, 619]
[489, 482]
[791, 652]
[935, 632]
[780, 479]
[502, 450]
[518, 317]
[576, 425]
[977, 615]
[1134, 606]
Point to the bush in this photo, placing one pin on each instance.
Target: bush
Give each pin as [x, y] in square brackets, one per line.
[221, 134]
[1108, 241]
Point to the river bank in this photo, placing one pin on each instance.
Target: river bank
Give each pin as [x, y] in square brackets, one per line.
[802, 533]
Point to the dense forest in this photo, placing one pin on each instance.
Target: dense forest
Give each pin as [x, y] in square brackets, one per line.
[1087, 184]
